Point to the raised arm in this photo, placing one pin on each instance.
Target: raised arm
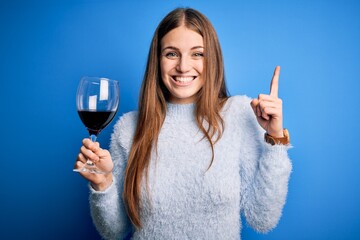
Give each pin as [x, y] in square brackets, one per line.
[265, 175]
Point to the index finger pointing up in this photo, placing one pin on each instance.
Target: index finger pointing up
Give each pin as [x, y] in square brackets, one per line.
[274, 87]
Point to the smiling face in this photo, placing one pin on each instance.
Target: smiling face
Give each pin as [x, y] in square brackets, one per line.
[181, 64]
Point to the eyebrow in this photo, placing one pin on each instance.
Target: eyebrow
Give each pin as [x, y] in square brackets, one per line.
[177, 49]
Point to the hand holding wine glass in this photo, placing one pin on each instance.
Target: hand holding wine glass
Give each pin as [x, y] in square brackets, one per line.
[97, 102]
[101, 157]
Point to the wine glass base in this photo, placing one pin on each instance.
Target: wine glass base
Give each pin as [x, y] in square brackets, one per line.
[90, 170]
[89, 166]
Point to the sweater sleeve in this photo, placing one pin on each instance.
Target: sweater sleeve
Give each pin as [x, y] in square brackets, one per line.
[107, 207]
[264, 174]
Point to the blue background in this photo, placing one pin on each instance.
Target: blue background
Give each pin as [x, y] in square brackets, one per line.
[45, 48]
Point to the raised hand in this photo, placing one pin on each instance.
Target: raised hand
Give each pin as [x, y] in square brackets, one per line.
[268, 108]
[101, 157]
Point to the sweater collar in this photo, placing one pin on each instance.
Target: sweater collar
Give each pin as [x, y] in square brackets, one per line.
[183, 111]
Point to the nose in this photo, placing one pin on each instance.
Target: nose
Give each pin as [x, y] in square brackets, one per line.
[184, 64]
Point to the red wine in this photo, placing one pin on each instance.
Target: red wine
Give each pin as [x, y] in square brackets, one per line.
[95, 121]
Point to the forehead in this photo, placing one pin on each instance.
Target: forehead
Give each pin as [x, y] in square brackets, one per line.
[182, 38]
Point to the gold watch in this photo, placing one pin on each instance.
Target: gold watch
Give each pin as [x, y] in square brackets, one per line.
[274, 140]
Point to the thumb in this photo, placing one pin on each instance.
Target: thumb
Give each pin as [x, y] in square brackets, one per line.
[254, 103]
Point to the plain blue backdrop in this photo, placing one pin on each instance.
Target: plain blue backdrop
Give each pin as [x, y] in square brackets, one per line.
[47, 46]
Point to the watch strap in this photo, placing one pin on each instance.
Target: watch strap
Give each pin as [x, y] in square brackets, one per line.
[274, 140]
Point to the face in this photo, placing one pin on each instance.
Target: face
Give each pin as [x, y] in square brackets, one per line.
[182, 60]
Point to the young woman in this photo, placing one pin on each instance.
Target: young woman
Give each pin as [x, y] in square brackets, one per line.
[192, 159]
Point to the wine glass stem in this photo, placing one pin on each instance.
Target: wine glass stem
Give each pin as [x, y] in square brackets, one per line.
[89, 162]
[93, 137]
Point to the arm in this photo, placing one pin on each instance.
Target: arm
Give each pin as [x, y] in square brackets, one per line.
[265, 185]
[266, 174]
[107, 207]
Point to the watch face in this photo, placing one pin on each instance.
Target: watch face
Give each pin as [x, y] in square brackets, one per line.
[269, 139]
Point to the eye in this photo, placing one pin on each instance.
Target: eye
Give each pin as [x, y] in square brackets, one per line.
[171, 55]
[197, 55]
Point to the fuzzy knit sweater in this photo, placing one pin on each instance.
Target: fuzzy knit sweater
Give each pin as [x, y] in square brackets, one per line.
[187, 200]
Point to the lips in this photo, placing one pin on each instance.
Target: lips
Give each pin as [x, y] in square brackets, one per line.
[183, 80]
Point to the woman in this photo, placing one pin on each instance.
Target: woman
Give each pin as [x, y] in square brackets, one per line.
[192, 159]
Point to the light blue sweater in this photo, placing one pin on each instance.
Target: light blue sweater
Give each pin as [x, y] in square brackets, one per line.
[187, 201]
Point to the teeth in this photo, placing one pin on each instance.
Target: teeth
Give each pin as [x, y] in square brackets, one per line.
[184, 79]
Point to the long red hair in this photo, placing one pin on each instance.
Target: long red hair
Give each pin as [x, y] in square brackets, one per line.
[154, 95]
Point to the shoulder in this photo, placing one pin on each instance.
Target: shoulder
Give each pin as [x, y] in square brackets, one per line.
[239, 115]
[237, 106]
[238, 100]
[124, 129]
[128, 118]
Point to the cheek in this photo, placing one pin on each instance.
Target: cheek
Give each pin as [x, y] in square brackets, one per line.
[162, 67]
[200, 70]
[165, 68]
[199, 66]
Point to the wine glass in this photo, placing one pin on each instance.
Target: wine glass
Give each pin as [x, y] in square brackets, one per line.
[97, 101]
